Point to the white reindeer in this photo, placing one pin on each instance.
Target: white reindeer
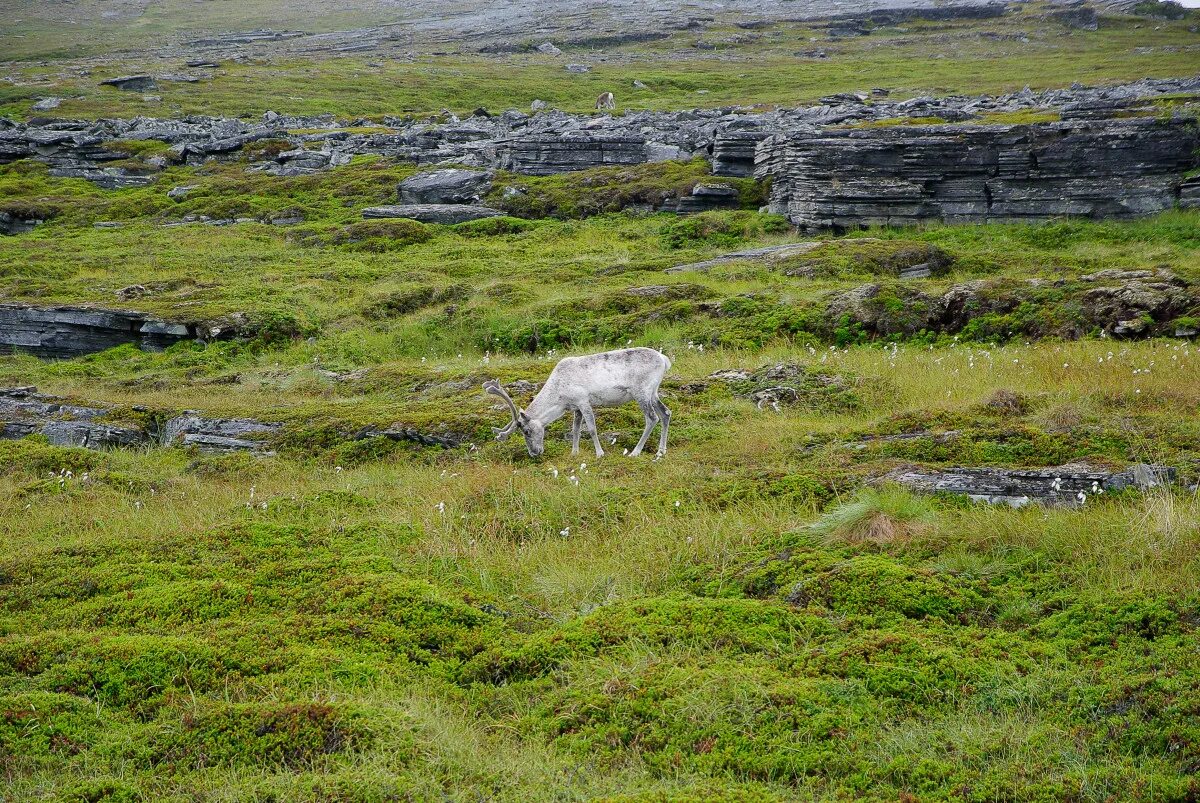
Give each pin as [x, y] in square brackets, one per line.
[581, 384]
[606, 101]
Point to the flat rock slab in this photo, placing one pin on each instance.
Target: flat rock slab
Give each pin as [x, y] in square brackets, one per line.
[1069, 485]
[132, 83]
[433, 213]
[768, 254]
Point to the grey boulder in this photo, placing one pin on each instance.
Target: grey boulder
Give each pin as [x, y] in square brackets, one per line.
[450, 186]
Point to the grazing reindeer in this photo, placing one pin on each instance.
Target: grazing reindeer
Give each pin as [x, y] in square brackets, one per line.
[580, 384]
[606, 101]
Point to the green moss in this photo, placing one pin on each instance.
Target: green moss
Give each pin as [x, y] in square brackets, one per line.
[257, 735]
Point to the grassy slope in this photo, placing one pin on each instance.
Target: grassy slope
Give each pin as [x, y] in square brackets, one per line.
[369, 620]
[376, 621]
[746, 69]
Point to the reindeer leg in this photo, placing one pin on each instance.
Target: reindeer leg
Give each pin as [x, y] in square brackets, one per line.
[664, 417]
[576, 421]
[651, 419]
[589, 420]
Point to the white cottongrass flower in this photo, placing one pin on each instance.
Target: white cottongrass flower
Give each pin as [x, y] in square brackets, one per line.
[564, 532]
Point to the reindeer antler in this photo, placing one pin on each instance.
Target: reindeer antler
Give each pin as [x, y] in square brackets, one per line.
[493, 387]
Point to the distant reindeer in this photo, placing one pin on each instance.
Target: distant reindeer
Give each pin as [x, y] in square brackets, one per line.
[606, 101]
[580, 384]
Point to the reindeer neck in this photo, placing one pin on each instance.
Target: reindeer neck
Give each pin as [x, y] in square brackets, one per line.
[545, 406]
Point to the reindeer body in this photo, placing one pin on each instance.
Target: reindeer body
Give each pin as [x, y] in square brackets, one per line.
[606, 101]
[581, 384]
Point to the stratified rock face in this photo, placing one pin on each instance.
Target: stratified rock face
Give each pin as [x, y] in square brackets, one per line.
[546, 155]
[432, 213]
[446, 187]
[906, 175]
[60, 332]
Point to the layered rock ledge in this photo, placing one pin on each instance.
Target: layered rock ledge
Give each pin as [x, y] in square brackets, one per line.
[903, 175]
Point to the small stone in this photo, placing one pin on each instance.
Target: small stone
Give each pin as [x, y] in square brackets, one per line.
[131, 292]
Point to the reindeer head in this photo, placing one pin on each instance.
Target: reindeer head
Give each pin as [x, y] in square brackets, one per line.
[534, 431]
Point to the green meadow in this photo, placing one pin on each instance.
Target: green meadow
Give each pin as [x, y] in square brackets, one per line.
[757, 616]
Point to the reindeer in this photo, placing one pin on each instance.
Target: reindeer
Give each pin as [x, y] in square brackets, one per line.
[606, 101]
[580, 384]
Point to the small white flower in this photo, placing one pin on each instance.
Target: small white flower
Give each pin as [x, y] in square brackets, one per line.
[441, 507]
[565, 531]
[338, 469]
[574, 480]
[1081, 496]
[624, 452]
[554, 473]
[676, 503]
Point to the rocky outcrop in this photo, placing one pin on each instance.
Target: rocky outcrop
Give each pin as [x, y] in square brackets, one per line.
[59, 332]
[543, 143]
[218, 435]
[132, 83]
[704, 197]
[24, 411]
[15, 223]
[541, 155]
[1069, 485]
[905, 175]
[449, 186]
[433, 213]
[1117, 303]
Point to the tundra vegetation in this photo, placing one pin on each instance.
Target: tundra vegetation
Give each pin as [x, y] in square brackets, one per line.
[752, 618]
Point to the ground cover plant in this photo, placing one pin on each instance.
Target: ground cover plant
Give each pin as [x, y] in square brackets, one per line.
[759, 616]
[369, 620]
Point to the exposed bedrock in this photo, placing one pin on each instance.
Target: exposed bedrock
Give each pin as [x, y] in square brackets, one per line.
[72, 331]
[24, 412]
[65, 331]
[448, 186]
[432, 213]
[1127, 304]
[849, 178]
[548, 141]
[1062, 486]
